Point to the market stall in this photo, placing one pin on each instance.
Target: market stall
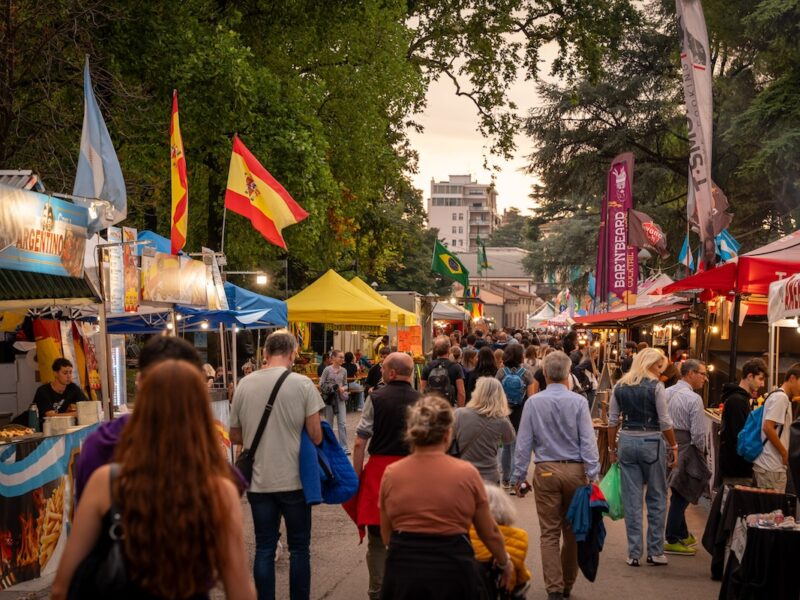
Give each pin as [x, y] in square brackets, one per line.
[43, 297]
[339, 306]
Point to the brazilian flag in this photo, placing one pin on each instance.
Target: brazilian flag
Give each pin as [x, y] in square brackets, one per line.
[446, 263]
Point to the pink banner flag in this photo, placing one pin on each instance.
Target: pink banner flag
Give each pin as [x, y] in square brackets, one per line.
[622, 267]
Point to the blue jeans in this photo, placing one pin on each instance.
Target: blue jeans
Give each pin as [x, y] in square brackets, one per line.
[507, 461]
[676, 519]
[643, 461]
[267, 512]
[341, 420]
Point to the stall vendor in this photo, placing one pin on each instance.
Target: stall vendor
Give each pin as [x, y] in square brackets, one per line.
[61, 395]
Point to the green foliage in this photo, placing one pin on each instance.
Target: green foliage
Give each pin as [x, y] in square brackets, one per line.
[323, 93]
[637, 105]
[517, 231]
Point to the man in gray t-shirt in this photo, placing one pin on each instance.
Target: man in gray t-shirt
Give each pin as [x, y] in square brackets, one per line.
[276, 490]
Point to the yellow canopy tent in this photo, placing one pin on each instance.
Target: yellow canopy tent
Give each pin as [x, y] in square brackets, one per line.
[332, 300]
[405, 318]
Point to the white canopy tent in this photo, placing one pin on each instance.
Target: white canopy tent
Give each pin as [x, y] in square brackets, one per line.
[783, 310]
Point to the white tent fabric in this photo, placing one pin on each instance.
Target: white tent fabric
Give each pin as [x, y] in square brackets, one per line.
[444, 311]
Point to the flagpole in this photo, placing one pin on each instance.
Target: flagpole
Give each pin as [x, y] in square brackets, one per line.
[222, 242]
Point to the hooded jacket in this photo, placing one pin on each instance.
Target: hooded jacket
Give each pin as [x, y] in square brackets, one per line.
[735, 410]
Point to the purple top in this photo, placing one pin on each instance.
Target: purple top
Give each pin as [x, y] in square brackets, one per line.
[98, 450]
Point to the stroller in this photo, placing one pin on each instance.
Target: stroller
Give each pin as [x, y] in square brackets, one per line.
[490, 575]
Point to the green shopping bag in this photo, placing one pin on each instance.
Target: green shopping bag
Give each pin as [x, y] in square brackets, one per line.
[611, 486]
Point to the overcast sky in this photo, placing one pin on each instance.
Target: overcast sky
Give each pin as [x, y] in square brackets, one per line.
[452, 145]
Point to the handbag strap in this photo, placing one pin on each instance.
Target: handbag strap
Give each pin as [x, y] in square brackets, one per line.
[115, 530]
[262, 425]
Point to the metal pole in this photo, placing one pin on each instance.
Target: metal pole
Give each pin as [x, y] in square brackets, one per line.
[737, 301]
[222, 241]
[224, 355]
[106, 373]
[771, 357]
[286, 278]
[234, 336]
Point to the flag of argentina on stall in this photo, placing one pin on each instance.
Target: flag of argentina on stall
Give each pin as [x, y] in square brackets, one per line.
[685, 257]
[727, 246]
[99, 185]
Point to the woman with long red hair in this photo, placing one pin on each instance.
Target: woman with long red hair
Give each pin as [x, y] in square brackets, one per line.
[181, 520]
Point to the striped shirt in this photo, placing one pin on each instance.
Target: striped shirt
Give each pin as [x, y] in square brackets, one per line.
[686, 410]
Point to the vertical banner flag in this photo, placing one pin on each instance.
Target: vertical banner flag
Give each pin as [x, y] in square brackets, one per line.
[727, 246]
[483, 262]
[447, 264]
[696, 75]
[601, 276]
[180, 187]
[622, 266]
[253, 193]
[99, 186]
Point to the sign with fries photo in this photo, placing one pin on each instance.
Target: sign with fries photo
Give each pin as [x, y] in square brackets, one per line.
[36, 486]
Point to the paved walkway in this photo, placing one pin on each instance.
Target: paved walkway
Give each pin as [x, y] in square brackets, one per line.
[339, 570]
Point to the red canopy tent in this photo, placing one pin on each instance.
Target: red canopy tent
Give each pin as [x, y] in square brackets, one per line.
[750, 273]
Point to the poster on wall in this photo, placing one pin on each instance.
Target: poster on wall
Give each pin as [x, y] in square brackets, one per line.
[41, 234]
[410, 340]
[130, 262]
[115, 288]
[36, 484]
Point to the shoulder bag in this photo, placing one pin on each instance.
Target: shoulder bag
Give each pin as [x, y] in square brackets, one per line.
[245, 461]
[102, 574]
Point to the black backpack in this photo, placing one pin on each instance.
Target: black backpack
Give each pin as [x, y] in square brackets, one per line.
[439, 380]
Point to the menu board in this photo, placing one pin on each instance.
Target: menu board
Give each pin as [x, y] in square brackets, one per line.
[410, 340]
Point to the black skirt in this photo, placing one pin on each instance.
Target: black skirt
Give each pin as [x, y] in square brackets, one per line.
[431, 567]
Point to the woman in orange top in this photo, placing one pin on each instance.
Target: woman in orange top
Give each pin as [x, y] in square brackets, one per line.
[428, 503]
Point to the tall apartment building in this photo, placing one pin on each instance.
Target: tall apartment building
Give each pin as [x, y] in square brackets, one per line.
[462, 209]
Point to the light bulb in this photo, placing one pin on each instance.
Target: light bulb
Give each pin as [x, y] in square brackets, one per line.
[204, 325]
[644, 331]
[597, 344]
[710, 368]
[261, 279]
[714, 329]
[170, 326]
[674, 342]
[178, 317]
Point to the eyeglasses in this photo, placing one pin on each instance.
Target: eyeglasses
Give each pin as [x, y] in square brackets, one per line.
[703, 373]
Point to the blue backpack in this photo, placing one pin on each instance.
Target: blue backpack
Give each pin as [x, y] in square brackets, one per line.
[514, 386]
[748, 443]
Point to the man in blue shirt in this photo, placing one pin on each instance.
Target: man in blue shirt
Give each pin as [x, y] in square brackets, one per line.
[557, 427]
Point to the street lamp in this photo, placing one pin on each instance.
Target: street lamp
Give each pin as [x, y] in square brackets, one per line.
[261, 279]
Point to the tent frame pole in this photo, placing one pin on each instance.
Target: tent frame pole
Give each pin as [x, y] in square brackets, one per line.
[737, 303]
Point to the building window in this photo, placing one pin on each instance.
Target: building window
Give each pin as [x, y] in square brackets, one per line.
[460, 229]
[455, 216]
[454, 229]
[460, 216]
[454, 242]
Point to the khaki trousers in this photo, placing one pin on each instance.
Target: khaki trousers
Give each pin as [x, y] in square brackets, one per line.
[554, 484]
[376, 561]
[770, 480]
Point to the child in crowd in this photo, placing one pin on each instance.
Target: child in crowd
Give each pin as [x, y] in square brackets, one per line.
[516, 540]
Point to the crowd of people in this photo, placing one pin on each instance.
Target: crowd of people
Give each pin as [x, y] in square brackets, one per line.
[494, 416]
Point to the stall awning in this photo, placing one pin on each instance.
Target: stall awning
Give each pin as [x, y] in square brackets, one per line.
[331, 299]
[751, 273]
[24, 285]
[621, 317]
[246, 301]
[399, 315]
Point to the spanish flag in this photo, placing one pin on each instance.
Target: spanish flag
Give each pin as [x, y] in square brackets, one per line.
[180, 187]
[254, 193]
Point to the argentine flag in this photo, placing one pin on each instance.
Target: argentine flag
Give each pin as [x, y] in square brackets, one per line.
[99, 175]
[727, 246]
[685, 257]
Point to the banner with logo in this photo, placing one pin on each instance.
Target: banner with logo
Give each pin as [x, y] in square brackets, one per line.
[622, 266]
[784, 299]
[41, 234]
[696, 76]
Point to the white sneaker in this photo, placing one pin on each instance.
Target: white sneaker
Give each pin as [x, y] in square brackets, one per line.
[657, 561]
